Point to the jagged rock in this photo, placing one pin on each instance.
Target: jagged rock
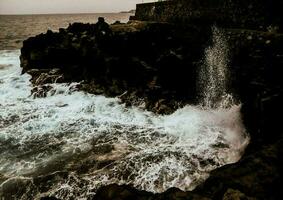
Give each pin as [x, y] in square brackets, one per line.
[117, 192]
[15, 187]
[151, 52]
[257, 14]
[127, 193]
[41, 91]
[236, 195]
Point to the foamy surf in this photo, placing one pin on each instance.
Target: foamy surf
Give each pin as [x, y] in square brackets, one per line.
[97, 141]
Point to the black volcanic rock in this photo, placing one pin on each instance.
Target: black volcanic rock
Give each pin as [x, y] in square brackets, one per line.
[256, 14]
[154, 60]
[256, 70]
[127, 193]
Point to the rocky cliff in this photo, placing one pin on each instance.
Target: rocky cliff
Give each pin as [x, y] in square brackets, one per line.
[153, 62]
[257, 14]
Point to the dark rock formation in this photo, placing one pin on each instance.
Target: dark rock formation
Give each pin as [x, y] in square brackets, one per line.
[256, 14]
[256, 63]
[152, 61]
[127, 193]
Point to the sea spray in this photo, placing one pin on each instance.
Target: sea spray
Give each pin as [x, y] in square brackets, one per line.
[214, 72]
[75, 142]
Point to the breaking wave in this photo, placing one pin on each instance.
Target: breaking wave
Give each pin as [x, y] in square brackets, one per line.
[70, 143]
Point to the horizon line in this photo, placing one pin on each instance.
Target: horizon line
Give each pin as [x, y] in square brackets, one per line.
[71, 13]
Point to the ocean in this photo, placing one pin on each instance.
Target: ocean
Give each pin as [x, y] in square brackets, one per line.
[16, 28]
[70, 143]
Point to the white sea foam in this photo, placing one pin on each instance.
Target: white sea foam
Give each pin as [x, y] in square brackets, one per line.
[151, 152]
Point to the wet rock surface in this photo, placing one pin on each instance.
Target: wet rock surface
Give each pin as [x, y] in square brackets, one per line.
[257, 176]
[154, 66]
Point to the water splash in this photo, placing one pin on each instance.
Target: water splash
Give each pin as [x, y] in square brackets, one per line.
[214, 73]
[71, 143]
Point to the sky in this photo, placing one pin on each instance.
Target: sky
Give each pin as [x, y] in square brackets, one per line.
[66, 6]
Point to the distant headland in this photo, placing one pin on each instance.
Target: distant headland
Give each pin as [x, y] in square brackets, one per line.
[133, 11]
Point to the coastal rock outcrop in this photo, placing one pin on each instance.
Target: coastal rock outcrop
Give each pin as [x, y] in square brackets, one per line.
[256, 14]
[145, 60]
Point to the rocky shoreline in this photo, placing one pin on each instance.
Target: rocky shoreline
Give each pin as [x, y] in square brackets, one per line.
[139, 61]
[154, 66]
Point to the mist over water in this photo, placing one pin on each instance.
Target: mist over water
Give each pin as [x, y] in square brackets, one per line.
[214, 73]
[81, 141]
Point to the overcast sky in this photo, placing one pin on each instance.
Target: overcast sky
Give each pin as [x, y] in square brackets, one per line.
[66, 6]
